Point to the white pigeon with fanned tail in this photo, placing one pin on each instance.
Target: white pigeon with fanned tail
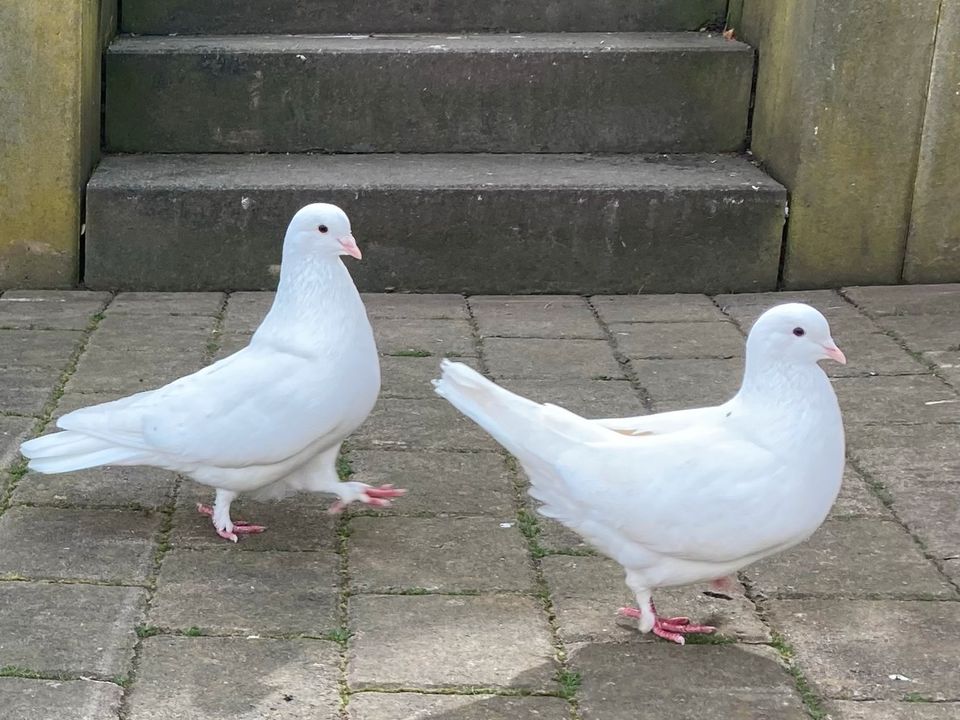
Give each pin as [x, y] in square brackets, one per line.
[688, 496]
[268, 419]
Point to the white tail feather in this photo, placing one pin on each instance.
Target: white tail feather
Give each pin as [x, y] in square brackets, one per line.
[68, 451]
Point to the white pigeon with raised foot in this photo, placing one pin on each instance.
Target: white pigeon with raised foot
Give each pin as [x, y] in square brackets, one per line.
[268, 419]
[688, 496]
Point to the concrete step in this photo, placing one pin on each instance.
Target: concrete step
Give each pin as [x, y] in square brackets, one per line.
[583, 92]
[228, 17]
[442, 223]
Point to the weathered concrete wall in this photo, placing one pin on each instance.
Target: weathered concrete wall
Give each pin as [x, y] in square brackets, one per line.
[49, 133]
[933, 246]
[839, 114]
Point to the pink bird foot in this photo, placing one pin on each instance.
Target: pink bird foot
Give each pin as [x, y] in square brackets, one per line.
[368, 495]
[672, 629]
[240, 527]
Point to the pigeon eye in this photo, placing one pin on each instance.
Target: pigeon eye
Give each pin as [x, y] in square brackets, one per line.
[322, 228]
[799, 332]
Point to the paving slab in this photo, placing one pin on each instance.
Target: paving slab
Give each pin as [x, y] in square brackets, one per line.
[411, 706]
[13, 431]
[670, 682]
[438, 554]
[589, 398]
[857, 557]
[859, 649]
[440, 338]
[21, 395]
[441, 483]
[119, 487]
[105, 545]
[881, 710]
[63, 699]
[296, 523]
[246, 310]
[902, 398]
[923, 333]
[931, 510]
[678, 340]
[689, 383]
[907, 299]
[901, 455]
[54, 628]
[50, 309]
[947, 365]
[655, 308]
[437, 306]
[226, 592]
[432, 424]
[856, 499]
[409, 377]
[167, 303]
[197, 678]
[539, 316]
[745, 308]
[557, 538]
[870, 352]
[552, 359]
[439, 641]
[587, 592]
[71, 401]
[37, 351]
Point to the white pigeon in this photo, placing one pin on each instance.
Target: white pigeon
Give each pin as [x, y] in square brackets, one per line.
[269, 418]
[688, 496]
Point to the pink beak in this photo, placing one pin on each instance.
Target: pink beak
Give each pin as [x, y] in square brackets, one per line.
[349, 246]
[835, 353]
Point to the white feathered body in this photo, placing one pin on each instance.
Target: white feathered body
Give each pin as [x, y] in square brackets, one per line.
[270, 417]
[694, 495]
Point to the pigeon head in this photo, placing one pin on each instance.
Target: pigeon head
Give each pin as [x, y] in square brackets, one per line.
[321, 229]
[793, 332]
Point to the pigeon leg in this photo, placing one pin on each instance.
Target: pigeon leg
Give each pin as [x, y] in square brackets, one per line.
[220, 513]
[348, 492]
[673, 628]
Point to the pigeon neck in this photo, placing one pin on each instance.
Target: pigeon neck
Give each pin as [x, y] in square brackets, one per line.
[312, 291]
[766, 379]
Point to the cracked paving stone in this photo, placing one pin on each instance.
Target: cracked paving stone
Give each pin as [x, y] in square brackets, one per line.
[439, 482]
[679, 340]
[198, 678]
[853, 558]
[668, 682]
[438, 554]
[410, 377]
[53, 628]
[907, 299]
[898, 399]
[655, 308]
[296, 523]
[432, 424]
[104, 545]
[127, 487]
[166, 303]
[856, 499]
[881, 710]
[226, 592]
[438, 641]
[538, 316]
[859, 649]
[550, 359]
[442, 338]
[50, 309]
[947, 365]
[24, 699]
[407, 706]
[588, 591]
[902, 455]
[931, 510]
[589, 398]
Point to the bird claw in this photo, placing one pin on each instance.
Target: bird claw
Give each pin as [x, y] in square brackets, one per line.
[673, 628]
[240, 527]
[378, 497]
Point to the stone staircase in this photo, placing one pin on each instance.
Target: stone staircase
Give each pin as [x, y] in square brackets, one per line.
[487, 147]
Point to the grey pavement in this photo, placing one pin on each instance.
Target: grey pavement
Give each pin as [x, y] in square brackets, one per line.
[118, 602]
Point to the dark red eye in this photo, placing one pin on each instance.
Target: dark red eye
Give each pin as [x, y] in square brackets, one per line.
[322, 228]
[799, 332]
